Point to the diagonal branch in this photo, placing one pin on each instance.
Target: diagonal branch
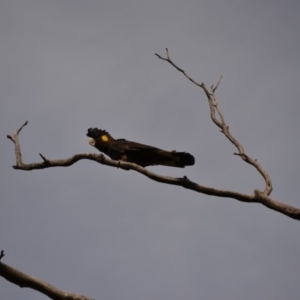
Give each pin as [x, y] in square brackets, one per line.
[218, 118]
[23, 280]
[257, 197]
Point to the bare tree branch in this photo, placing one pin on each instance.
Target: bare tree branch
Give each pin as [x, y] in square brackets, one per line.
[257, 197]
[23, 280]
[215, 109]
[215, 88]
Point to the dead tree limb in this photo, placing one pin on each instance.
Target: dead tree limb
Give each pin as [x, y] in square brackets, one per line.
[216, 112]
[23, 280]
[256, 197]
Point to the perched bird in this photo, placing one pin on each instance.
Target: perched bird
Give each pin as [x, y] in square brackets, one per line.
[139, 154]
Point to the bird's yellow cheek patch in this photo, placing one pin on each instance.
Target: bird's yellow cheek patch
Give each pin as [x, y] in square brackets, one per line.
[104, 138]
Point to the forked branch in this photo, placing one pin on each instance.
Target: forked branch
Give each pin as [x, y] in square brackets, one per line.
[215, 113]
[257, 196]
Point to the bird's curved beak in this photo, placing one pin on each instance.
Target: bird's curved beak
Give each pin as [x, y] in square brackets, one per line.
[92, 142]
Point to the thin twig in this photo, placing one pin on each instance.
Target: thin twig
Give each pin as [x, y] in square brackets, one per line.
[215, 88]
[44, 158]
[168, 59]
[19, 130]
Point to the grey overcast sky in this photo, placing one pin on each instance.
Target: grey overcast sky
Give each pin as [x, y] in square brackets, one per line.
[109, 234]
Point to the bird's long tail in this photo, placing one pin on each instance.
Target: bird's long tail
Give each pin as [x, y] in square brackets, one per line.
[176, 159]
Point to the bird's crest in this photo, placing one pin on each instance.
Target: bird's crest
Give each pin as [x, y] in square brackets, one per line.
[96, 133]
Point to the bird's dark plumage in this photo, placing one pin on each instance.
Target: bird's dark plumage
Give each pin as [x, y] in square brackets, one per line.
[139, 154]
